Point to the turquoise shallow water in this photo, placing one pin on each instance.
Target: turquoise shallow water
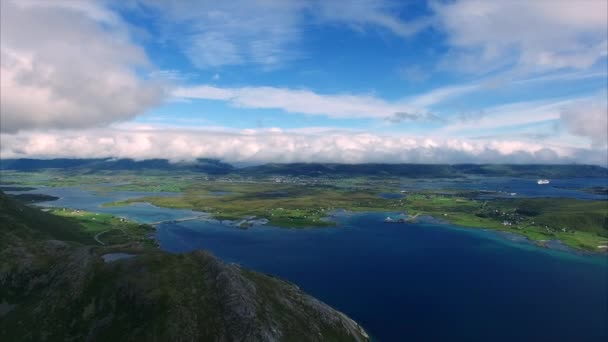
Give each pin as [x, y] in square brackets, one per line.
[425, 281]
[78, 198]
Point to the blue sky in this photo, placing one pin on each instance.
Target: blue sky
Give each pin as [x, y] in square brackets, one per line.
[258, 81]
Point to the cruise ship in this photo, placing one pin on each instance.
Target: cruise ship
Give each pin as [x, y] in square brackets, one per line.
[542, 181]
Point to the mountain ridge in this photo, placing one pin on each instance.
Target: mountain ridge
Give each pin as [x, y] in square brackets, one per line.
[216, 167]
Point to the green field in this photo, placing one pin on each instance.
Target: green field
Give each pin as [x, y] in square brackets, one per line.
[577, 223]
[283, 205]
[299, 202]
[57, 285]
[108, 229]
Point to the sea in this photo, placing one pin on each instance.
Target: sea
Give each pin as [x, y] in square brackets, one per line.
[424, 281]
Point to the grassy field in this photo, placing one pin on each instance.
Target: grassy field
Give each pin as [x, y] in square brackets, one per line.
[578, 224]
[305, 202]
[55, 285]
[153, 181]
[107, 229]
[282, 204]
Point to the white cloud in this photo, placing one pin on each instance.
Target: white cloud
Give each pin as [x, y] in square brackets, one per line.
[214, 34]
[530, 35]
[275, 145]
[68, 64]
[567, 112]
[345, 106]
[589, 120]
[295, 101]
[221, 33]
[362, 14]
[514, 114]
[483, 35]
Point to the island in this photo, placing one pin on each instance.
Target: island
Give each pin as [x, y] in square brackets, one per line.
[579, 224]
[304, 195]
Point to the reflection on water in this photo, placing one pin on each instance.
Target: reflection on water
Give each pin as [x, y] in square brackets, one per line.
[78, 198]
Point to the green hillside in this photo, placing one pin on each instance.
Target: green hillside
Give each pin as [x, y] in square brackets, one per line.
[56, 286]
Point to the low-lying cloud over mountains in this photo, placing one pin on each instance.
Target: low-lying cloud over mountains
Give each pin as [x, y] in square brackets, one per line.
[275, 145]
[485, 82]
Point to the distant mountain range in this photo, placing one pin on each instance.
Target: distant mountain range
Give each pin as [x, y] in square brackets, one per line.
[216, 167]
[209, 166]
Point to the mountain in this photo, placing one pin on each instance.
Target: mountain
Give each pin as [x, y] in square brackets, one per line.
[209, 166]
[216, 167]
[56, 286]
[428, 170]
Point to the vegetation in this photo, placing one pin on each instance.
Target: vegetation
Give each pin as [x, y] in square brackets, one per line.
[215, 167]
[209, 166]
[284, 205]
[33, 198]
[56, 286]
[266, 192]
[577, 223]
[108, 229]
[15, 188]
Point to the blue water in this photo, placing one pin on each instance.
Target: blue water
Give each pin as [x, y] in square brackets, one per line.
[389, 195]
[79, 198]
[424, 281]
[569, 188]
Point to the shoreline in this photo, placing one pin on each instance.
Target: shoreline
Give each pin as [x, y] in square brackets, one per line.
[531, 233]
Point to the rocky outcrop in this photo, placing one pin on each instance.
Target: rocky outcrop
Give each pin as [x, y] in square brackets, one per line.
[53, 290]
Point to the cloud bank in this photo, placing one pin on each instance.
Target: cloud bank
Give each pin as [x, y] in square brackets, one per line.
[68, 64]
[73, 65]
[275, 145]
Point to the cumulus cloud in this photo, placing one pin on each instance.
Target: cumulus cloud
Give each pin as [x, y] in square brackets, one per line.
[68, 64]
[589, 120]
[275, 145]
[530, 35]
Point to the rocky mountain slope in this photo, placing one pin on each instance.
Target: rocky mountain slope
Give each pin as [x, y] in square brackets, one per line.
[56, 285]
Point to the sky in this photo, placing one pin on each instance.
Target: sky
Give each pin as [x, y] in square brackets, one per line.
[256, 81]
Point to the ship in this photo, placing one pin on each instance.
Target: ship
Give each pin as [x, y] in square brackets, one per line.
[542, 181]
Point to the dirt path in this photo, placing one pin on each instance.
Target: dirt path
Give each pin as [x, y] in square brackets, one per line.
[105, 231]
